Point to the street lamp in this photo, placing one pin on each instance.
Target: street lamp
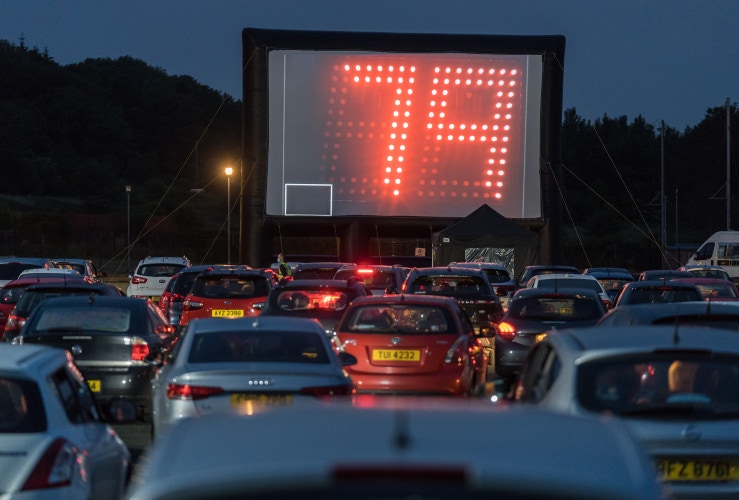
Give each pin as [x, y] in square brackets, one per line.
[229, 171]
[128, 228]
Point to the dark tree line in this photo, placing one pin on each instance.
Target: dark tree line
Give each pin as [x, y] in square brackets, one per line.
[72, 137]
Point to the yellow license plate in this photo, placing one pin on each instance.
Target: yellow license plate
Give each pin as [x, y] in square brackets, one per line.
[227, 313]
[540, 337]
[698, 470]
[396, 355]
[94, 385]
[261, 399]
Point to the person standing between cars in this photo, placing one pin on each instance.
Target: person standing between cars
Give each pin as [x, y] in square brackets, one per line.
[284, 271]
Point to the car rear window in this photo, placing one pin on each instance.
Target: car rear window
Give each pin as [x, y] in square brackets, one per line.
[99, 319]
[448, 284]
[159, 269]
[303, 300]
[663, 294]
[658, 384]
[399, 319]
[570, 283]
[11, 270]
[241, 346]
[21, 408]
[568, 308]
[373, 278]
[231, 287]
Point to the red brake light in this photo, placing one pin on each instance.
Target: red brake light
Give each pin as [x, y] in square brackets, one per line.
[330, 390]
[55, 468]
[506, 331]
[14, 323]
[176, 297]
[185, 391]
[137, 280]
[139, 349]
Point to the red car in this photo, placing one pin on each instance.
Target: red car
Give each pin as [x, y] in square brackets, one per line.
[227, 293]
[412, 344]
[14, 289]
[714, 289]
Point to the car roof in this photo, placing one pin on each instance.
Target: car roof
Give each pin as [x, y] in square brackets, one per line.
[258, 323]
[318, 283]
[29, 358]
[658, 283]
[638, 338]
[480, 265]
[551, 292]
[40, 280]
[582, 456]
[93, 300]
[70, 285]
[563, 276]
[453, 270]
[412, 299]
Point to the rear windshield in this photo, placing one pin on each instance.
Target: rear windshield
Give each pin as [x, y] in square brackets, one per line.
[399, 319]
[11, 295]
[304, 300]
[570, 283]
[449, 284]
[162, 270]
[315, 273]
[230, 287]
[10, 271]
[240, 346]
[716, 291]
[662, 385]
[100, 319]
[31, 298]
[663, 294]
[21, 408]
[574, 308]
[374, 279]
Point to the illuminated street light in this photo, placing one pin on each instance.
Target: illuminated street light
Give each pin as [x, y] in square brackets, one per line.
[229, 171]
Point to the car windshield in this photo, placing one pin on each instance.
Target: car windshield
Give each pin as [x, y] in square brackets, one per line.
[399, 319]
[21, 408]
[250, 346]
[304, 300]
[449, 285]
[662, 384]
[561, 308]
[100, 319]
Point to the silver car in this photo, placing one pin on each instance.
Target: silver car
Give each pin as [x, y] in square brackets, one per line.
[246, 365]
[54, 441]
[397, 448]
[675, 387]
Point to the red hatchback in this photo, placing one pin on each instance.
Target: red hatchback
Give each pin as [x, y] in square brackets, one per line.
[14, 289]
[224, 293]
[412, 344]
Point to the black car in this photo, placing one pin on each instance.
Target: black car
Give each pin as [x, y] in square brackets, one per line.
[324, 300]
[470, 287]
[532, 312]
[317, 270]
[698, 313]
[35, 294]
[118, 342]
[380, 279]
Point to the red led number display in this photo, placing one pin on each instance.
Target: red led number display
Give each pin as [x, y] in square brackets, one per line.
[423, 128]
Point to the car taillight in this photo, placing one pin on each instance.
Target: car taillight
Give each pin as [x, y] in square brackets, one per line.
[329, 390]
[194, 392]
[506, 331]
[14, 323]
[176, 297]
[190, 305]
[456, 354]
[137, 280]
[55, 468]
[139, 349]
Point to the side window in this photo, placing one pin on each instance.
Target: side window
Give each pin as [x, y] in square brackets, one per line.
[74, 395]
[541, 368]
[467, 327]
[706, 251]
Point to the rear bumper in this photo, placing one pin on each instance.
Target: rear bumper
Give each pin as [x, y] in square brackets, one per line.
[451, 381]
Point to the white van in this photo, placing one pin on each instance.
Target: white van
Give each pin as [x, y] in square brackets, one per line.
[721, 249]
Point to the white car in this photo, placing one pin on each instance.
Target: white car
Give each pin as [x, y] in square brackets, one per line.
[152, 275]
[54, 442]
[571, 280]
[395, 447]
[674, 387]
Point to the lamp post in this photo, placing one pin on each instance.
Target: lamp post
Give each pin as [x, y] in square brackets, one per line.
[128, 228]
[229, 171]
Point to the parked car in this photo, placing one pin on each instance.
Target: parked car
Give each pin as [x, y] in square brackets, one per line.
[529, 272]
[674, 389]
[317, 270]
[706, 271]
[697, 313]
[222, 293]
[324, 300]
[246, 365]
[412, 344]
[118, 343]
[391, 448]
[532, 313]
[662, 274]
[37, 292]
[54, 440]
[379, 279]
[85, 267]
[11, 267]
[718, 290]
[657, 291]
[612, 279]
[501, 281]
[152, 275]
[53, 272]
[557, 281]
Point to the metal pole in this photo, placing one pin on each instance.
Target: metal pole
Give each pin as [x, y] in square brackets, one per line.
[128, 228]
[228, 219]
[663, 198]
[728, 165]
